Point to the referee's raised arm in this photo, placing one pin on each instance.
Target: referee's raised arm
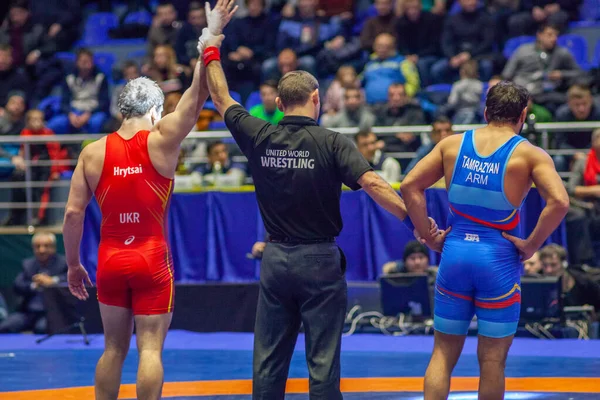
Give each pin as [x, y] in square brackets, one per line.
[243, 127]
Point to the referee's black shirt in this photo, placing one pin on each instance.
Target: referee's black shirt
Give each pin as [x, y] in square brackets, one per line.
[298, 170]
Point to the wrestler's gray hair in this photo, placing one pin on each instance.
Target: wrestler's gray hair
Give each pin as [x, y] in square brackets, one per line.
[139, 96]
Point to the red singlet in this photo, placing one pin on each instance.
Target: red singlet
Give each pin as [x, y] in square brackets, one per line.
[135, 268]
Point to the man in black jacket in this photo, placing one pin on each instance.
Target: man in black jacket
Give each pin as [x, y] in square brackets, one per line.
[419, 33]
[43, 270]
[251, 40]
[538, 12]
[467, 35]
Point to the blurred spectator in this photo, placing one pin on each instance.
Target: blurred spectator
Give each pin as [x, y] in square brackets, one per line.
[344, 48]
[537, 12]
[467, 35]
[186, 45]
[541, 114]
[437, 7]
[544, 68]
[387, 167]
[220, 170]
[580, 107]
[130, 70]
[400, 110]
[39, 173]
[415, 260]
[44, 270]
[419, 34]
[164, 69]
[386, 68]
[25, 37]
[306, 34]
[171, 101]
[533, 266]
[250, 41]
[286, 61]
[354, 113]
[583, 219]
[345, 78]
[12, 120]
[11, 124]
[578, 287]
[10, 77]
[267, 110]
[32, 50]
[61, 19]
[3, 308]
[384, 22]
[465, 97]
[494, 80]
[501, 11]
[165, 27]
[85, 98]
[440, 129]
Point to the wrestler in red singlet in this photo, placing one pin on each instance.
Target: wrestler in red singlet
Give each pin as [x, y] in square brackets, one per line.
[135, 269]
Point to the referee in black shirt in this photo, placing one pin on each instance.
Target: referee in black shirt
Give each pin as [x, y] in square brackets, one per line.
[298, 170]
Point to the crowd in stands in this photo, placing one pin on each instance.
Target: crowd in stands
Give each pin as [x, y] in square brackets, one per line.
[382, 63]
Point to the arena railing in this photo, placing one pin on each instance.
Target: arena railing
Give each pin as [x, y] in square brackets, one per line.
[542, 133]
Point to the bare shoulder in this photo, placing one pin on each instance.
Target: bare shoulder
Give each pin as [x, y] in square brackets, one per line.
[451, 143]
[532, 153]
[94, 150]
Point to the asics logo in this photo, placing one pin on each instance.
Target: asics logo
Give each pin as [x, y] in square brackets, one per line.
[470, 237]
[129, 240]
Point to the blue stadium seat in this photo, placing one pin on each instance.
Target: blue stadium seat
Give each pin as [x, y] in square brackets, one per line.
[362, 17]
[590, 10]
[138, 17]
[137, 54]
[50, 106]
[104, 62]
[253, 100]
[578, 48]
[217, 126]
[96, 29]
[513, 44]
[441, 87]
[236, 96]
[67, 60]
[596, 59]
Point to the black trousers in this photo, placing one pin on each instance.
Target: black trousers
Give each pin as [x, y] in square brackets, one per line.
[299, 284]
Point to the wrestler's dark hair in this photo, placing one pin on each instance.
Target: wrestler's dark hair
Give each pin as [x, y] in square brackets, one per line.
[505, 102]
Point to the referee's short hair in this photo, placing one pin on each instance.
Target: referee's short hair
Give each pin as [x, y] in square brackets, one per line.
[296, 87]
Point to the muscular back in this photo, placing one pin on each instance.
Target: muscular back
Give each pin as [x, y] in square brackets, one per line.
[162, 154]
[518, 174]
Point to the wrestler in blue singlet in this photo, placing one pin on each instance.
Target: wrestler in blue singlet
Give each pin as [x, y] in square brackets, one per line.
[480, 270]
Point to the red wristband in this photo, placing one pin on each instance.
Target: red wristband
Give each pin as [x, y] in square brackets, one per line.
[211, 54]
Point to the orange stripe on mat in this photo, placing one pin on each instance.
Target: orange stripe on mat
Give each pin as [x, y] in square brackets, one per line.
[356, 385]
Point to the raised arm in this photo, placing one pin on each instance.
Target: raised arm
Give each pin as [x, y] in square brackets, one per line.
[551, 188]
[80, 195]
[217, 84]
[174, 127]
